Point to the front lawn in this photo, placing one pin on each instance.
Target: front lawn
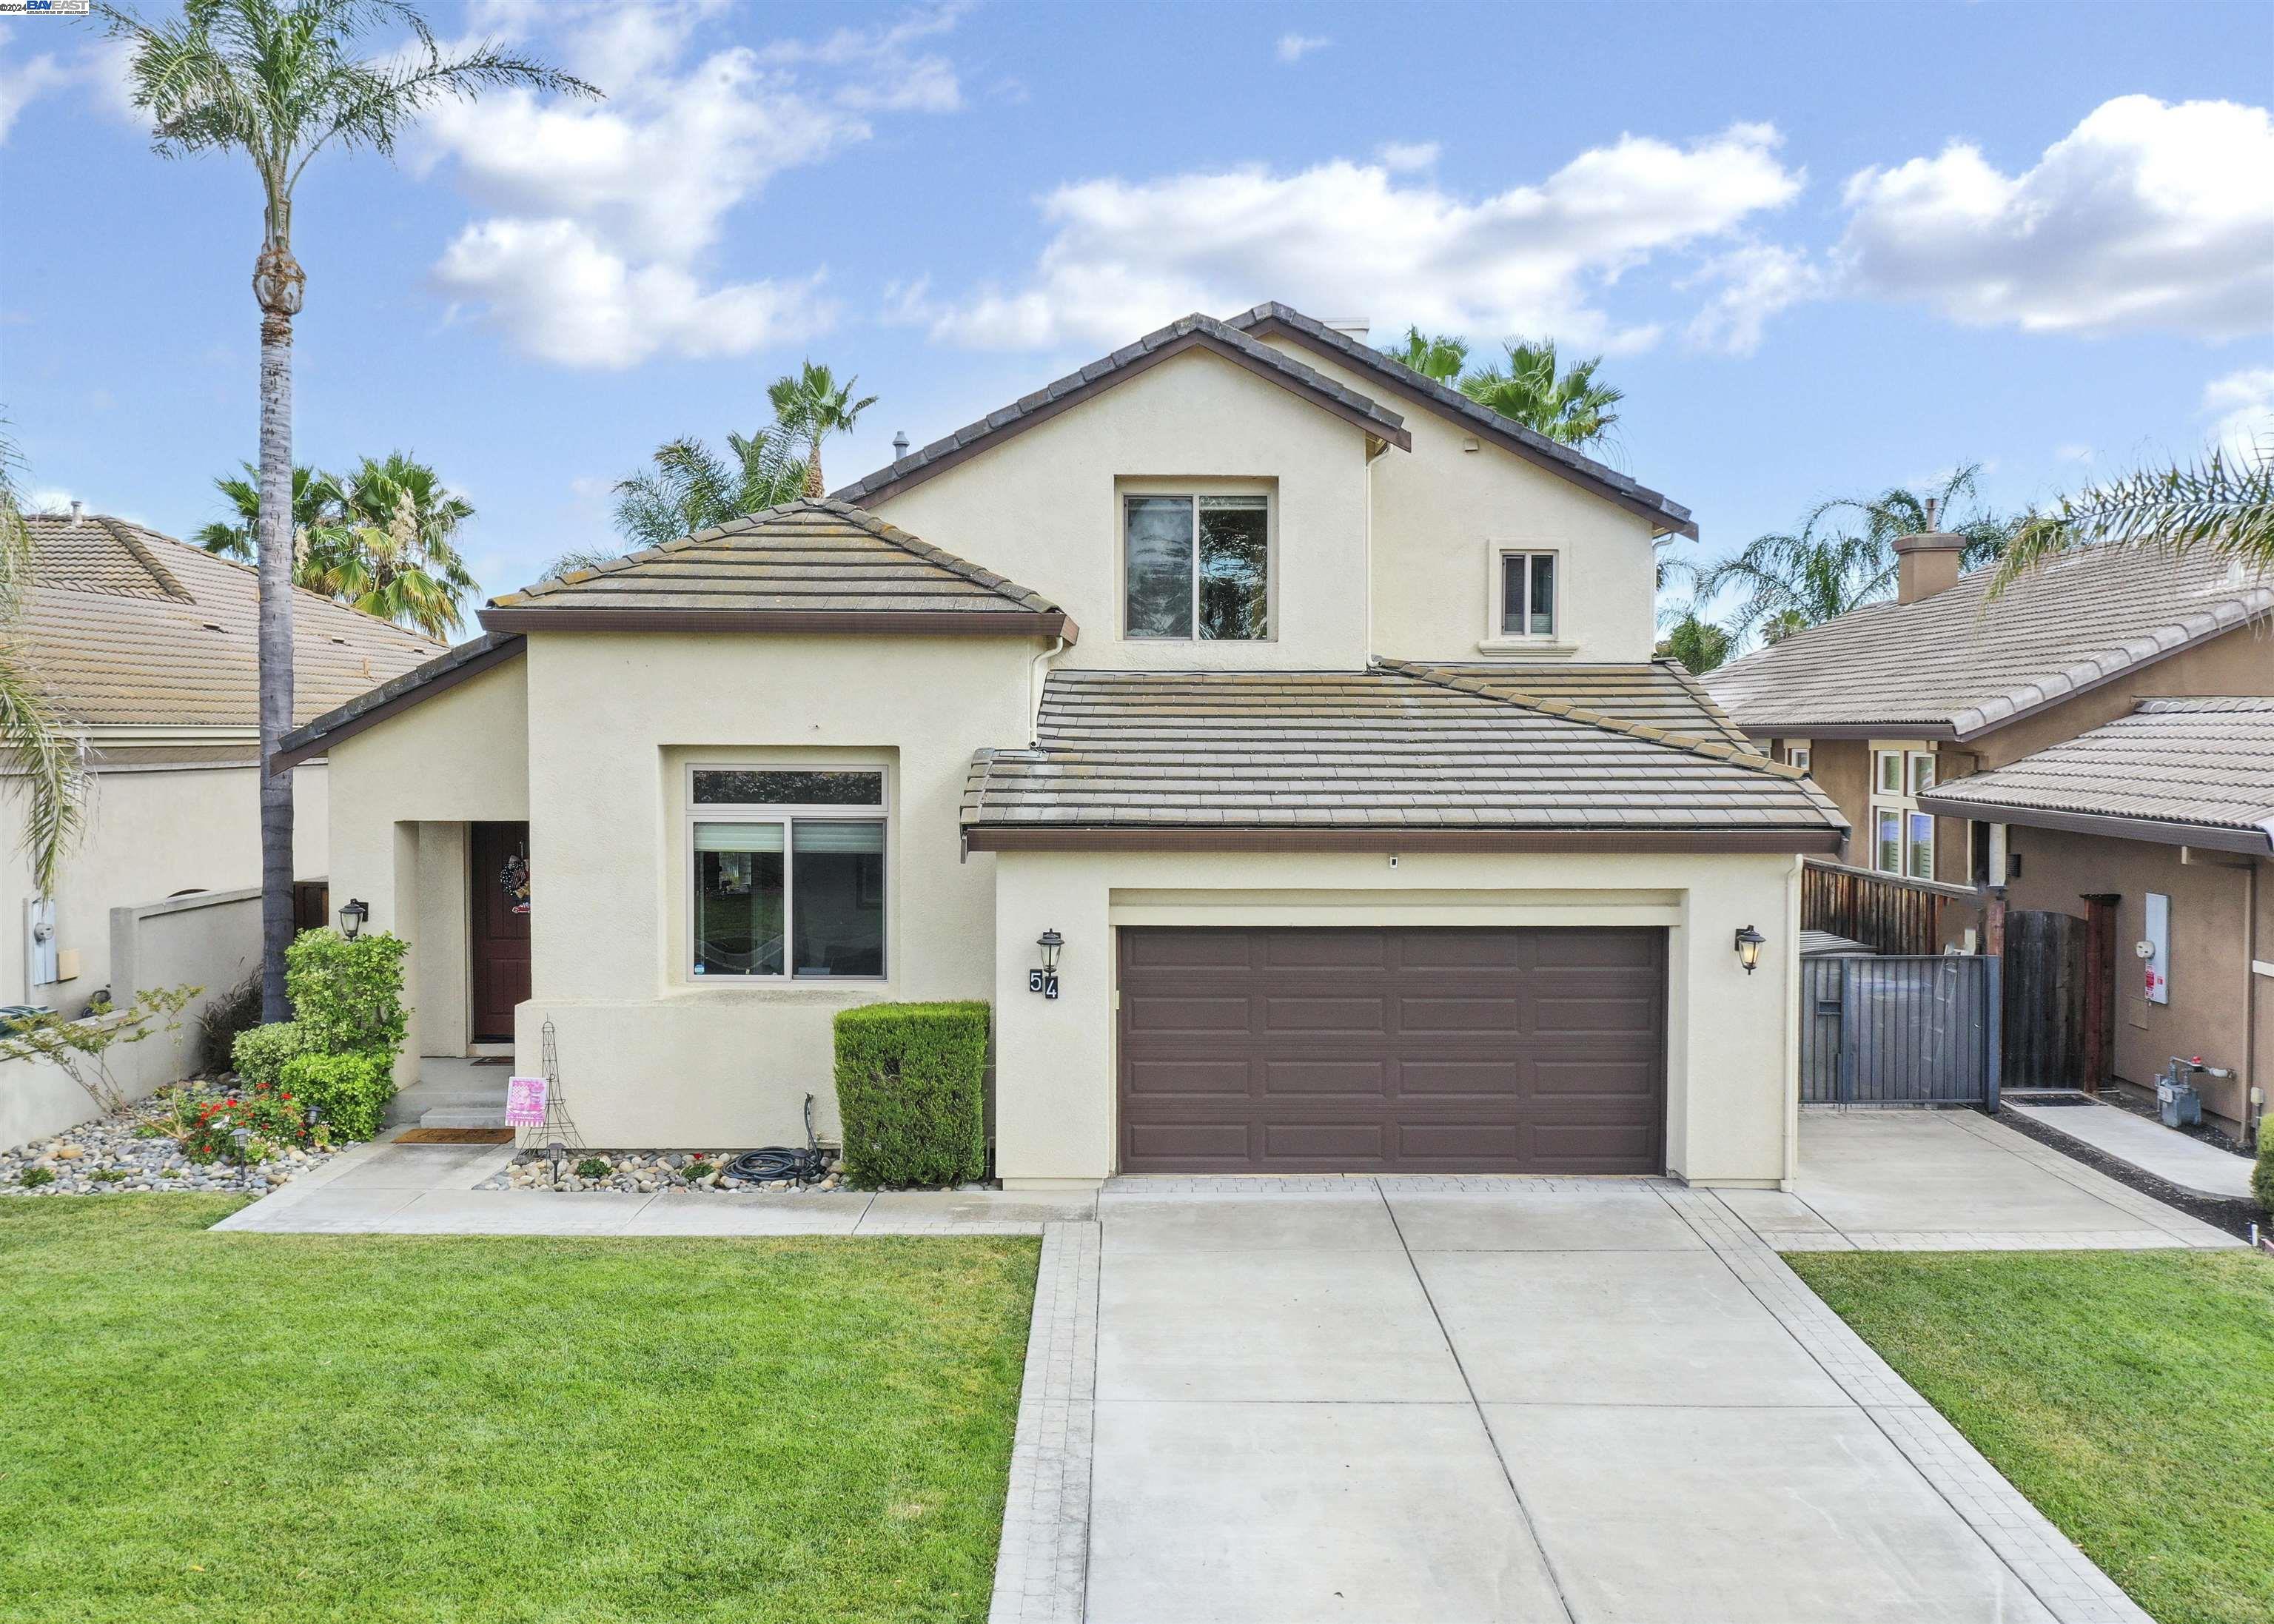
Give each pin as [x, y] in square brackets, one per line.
[2129, 1395]
[252, 1427]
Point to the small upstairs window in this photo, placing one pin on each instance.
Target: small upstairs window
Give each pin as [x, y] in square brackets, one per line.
[1197, 568]
[1527, 594]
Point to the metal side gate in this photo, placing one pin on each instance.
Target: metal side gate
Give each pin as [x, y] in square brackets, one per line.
[1909, 1030]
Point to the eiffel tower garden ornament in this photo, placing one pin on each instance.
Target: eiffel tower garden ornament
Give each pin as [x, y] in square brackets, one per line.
[538, 1103]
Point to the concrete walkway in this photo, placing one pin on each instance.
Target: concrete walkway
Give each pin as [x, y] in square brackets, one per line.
[2169, 1154]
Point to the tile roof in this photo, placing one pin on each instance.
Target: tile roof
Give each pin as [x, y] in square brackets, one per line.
[2174, 765]
[814, 563]
[1195, 331]
[1670, 516]
[1392, 750]
[131, 628]
[1954, 664]
[1662, 693]
[416, 685]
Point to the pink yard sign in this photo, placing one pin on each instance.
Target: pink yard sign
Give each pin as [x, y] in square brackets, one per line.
[524, 1101]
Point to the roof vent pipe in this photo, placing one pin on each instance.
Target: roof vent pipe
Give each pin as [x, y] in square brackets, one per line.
[78, 508]
[899, 445]
[1352, 327]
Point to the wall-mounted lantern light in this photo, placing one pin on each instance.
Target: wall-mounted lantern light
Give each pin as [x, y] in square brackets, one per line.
[1045, 980]
[352, 916]
[1749, 948]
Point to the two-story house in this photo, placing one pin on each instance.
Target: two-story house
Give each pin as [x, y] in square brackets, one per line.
[2095, 742]
[1306, 709]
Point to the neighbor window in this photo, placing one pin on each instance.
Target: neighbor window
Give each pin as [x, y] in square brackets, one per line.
[1887, 853]
[1527, 594]
[1919, 840]
[1796, 756]
[1891, 772]
[788, 873]
[1197, 567]
[1903, 836]
[1922, 771]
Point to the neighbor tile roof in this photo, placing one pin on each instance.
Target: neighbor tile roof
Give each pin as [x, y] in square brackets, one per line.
[126, 627]
[1669, 515]
[1954, 664]
[814, 557]
[1407, 747]
[416, 685]
[2206, 764]
[1191, 331]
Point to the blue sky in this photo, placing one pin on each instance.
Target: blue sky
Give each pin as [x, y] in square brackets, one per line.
[1825, 248]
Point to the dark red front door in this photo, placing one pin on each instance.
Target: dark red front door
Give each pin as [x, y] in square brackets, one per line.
[499, 912]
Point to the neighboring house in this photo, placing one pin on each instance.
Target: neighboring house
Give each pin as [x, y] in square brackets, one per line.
[1923, 716]
[147, 649]
[1312, 710]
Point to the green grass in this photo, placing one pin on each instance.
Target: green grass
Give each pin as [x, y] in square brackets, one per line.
[2129, 1395]
[246, 1427]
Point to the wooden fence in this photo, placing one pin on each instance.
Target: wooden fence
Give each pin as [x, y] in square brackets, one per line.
[1885, 912]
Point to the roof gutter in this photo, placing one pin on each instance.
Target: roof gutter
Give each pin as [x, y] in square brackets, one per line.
[929, 623]
[1126, 838]
[2257, 840]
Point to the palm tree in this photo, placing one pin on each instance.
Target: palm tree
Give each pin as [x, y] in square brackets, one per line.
[1567, 406]
[240, 540]
[1699, 644]
[1794, 580]
[43, 760]
[812, 407]
[2222, 502]
[384, 543]
[280, 80]
[1440, 356]
[692, 487]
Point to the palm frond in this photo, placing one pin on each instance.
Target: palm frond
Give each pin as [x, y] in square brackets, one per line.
[2220, 503]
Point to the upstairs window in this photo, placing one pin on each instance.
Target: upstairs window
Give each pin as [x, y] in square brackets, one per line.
[1527, 594]
[788, 874]
[1197, 568]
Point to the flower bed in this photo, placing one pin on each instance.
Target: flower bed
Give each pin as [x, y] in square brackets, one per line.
[136, 1150]
[640, 1172]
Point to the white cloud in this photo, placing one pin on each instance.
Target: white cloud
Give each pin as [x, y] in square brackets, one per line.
[565, 297]
[1293, 48]
[98, 70]
[2146, 215]
[2242, 404]
[1126, 257]
[605, 213]
[25, 82]
[1403, 157]
[1755, 281]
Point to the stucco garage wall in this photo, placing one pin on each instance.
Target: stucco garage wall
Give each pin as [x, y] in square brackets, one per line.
[401, 790]
[652, 1054]
[1043, 508]
[1731, 1088]
[150, 832]
[1439, 510]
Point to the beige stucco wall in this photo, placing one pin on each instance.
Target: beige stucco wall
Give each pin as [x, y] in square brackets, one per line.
[652, 1054]
[1731, 1064]
[148, 834]
[1043, 508]
[1439, 513]
[403, 792]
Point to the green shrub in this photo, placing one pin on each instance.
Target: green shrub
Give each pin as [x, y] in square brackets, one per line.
[347, 996]
[220, 1023]
[911, 1091]
[593, 1167]
[694, 1170]
[352, 1090]
[32, 1178]
[262, 1053]
[274, 1116]
[2262, 1176]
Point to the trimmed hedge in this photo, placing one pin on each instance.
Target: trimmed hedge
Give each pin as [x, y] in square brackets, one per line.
[347, 996]
[260, 1054]
[2262, 1176]
[352, 1090]
[912, 1094]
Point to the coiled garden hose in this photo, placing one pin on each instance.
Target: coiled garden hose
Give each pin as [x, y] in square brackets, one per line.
[778, 1161]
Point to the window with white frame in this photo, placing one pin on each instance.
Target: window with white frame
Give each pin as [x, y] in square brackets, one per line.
[1903, 836]
[1796, 756]
[788, 873]
[1528, 590]
[1196, 568]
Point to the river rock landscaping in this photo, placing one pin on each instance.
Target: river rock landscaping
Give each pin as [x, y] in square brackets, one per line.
[640, 1172]
[135, 1150]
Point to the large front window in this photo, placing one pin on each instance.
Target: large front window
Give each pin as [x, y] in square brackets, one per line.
[1197, 567]
[788, 873]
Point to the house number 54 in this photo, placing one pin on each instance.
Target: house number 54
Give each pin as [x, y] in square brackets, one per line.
[1043, 982]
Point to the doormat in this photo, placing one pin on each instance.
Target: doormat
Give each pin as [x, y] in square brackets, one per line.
[493, 1060]
[455, 1136]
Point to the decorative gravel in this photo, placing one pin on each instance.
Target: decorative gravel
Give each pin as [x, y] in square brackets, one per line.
[641, 1172]
[126, 1153]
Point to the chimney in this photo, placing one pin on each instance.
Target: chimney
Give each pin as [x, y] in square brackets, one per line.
[900, 444]
[1926, 562]
[78, 508]
[1352, 327]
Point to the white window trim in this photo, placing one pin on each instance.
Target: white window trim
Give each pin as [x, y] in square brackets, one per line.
[1798, 756]
[1532, 645]
[1193, 489]
[1901, 803]
[749, 812]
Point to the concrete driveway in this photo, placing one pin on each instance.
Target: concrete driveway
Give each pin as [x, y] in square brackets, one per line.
[1385, 1403]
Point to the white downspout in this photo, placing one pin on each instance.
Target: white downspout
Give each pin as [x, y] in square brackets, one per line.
[1034, 689]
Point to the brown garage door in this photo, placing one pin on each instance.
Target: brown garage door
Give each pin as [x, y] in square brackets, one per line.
[1415, 1051]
